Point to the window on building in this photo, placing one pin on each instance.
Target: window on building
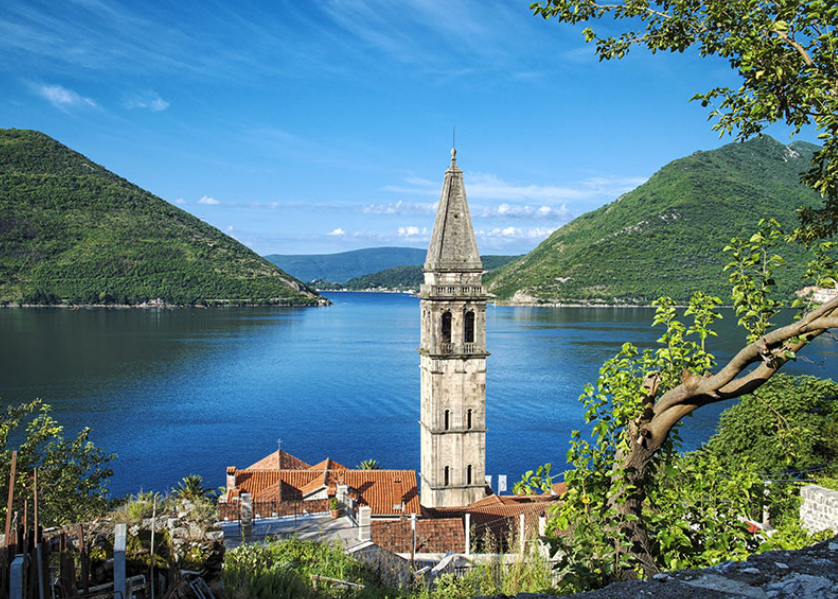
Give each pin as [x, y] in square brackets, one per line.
[468, 475]
[468, 420]
[446, 327]
[447, 418]
[446, 476]
[468, 330]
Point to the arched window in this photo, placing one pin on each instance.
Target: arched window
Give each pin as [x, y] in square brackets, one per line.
[468, 475]
[447, 418]
[446, 476]
[468, 420]
[468, 330]
[446, 327]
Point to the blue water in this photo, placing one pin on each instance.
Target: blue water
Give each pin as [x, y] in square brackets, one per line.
[176, 392]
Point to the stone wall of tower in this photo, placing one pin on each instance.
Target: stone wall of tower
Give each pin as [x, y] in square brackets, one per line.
[453, 389]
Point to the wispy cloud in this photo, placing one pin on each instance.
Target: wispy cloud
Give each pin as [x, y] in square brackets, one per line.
[413, 232]
[401, 207]
[63, 98]
[180, 201]
[149, 100]
[522, 211]
[488, 186]
[336, 233]
[208, 201]
[515, 233]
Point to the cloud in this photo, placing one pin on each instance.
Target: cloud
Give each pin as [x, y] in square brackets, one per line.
[229, 228]
[180, 201]
[488, 186]
[400, 207]
[412, 231]
[208, 201]
[515, 233]
[63, 98]
[148, 100]
[506, 210]
[337, 233]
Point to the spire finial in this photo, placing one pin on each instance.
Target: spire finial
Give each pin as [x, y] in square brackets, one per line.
[454, 144]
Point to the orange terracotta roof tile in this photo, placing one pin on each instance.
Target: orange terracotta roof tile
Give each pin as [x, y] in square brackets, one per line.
[432, 536]
[328, 464]
[384, 491]
[289, 462]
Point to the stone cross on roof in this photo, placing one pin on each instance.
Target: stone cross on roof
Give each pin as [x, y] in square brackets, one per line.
[453, 245]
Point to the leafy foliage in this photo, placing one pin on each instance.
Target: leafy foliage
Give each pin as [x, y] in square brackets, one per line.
[72, 232]
[663, 237]
[790, 423]
[369, 464]
[72, 474]
[192, 488]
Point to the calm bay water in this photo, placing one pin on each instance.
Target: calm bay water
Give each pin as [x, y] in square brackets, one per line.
[175, 392]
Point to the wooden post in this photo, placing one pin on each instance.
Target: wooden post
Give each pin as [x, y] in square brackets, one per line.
[11, 498]
[84, 559]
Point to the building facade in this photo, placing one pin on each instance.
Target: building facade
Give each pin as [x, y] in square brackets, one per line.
[453, 356]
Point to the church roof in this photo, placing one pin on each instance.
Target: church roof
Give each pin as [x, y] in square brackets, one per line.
[453, 246]
[289, 462]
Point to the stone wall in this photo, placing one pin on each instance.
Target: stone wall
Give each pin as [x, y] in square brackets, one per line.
[819, 508]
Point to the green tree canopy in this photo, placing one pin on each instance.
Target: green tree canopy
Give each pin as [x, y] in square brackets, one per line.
[785, 52]
[72, 474]
[790, 423]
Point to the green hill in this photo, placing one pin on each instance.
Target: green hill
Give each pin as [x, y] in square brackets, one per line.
[408, 278]
[666, 236]
[73, 232]
[343, 266]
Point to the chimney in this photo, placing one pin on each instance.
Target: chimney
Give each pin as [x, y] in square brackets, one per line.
[231, 478]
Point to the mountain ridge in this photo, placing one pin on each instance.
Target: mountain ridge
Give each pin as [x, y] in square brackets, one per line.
[666, 236]
[72, 232]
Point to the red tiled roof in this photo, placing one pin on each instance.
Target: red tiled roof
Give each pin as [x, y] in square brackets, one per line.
[289, 462]
[384, 491]
[432, 536]
[328, 464]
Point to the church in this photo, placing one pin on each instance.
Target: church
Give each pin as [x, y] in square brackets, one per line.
[451, 493]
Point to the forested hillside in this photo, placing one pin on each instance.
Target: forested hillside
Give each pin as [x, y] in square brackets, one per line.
[408, 278]
[72, 232]
[666, 236]
[343, 266]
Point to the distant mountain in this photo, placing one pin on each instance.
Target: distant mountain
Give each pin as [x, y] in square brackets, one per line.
[666, 236]
[73, 232]
[341, 267]
[408, 278]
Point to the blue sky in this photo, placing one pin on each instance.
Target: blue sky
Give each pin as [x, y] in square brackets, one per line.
[325, 126]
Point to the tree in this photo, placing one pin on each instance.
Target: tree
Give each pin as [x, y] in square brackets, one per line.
[788, 424]
[783, 50]
[191, 488]
[369, 464]
[640, 398]
[72, 475]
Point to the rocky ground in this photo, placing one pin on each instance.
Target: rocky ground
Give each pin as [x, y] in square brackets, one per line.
[809, 573]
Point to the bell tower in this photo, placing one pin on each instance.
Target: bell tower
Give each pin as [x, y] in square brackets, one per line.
[453, 356]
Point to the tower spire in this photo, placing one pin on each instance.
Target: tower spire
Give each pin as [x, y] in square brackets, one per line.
[453, 355]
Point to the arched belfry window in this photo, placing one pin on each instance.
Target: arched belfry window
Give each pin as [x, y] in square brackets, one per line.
[446, 476]
[447, 418]
[468, 475]
[468, 328]
[446, 327]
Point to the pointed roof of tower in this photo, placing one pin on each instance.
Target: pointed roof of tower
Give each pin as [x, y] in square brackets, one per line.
[453, 246]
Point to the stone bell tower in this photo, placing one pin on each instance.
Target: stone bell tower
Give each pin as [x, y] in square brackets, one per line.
[453, 356]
